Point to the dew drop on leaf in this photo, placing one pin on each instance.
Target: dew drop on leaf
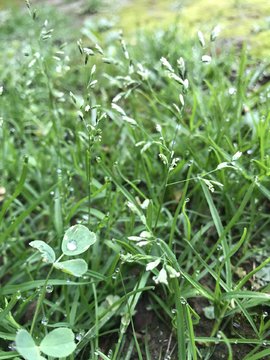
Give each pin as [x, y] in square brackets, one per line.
[44, 321]
[72, 245]
[49, 289]
[80, 335]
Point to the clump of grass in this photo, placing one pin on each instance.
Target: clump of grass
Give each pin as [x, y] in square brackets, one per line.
[162, 157]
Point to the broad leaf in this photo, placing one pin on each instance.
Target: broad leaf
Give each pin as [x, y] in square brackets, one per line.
[26, 346]
[76, 267]
[77, 240]
[58, 343]
[47, 253]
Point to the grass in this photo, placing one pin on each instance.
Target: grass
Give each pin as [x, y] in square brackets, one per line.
[162, 163]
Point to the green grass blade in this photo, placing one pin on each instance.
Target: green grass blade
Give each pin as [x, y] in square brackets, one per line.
[28, 211]
[123, 190]
[18, 189]
[259, 355]
[220, 230]
[179, 206]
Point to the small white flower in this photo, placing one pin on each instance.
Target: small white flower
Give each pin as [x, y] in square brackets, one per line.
[134, 238]
[146, 235]
[176, 78]
[145, 204]
[206, 59]
[152, 265]
[162, 277]
[201, 38]
[215, 33]
[222, 165]
[142, 243]
[181, 99]
[118, 109]
[237, 156]
[172, 273]
[133, 208]
[186, 84]
[164, 159]
[166, 64]
[158, 127]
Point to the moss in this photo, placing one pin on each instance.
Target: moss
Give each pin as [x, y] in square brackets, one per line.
[237, 18]
[4, 4]
[260, 45]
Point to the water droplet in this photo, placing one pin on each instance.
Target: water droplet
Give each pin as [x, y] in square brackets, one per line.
[12, 346]
[219, 247]
[236, 342]
[187, 199]
[52, 193]
[265, 314]
[98, 159]
[80, 335]
[109, 353]
[173, 311]
[49, 289]
[59, 171]
[38, 288]
[44, 321]
[68, 282]
[72, 245]
[18, 295]
[265, 343]
[219, 336]
[96, 351]
[183, 301]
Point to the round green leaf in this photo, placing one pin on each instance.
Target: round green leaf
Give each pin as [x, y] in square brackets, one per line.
[58, 343]
[77, 240]
[47, 253]
[26, 346]
[76, 267]
[209, 312]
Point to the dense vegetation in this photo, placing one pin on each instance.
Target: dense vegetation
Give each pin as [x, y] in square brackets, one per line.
[148, 158]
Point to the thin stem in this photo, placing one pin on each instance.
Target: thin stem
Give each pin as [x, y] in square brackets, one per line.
[42, 296]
